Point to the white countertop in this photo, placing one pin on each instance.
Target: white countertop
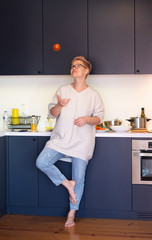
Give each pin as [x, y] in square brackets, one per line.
[124, 134]
[105, 134]
[9, 133]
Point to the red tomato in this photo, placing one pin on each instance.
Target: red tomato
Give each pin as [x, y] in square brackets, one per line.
[56, 47]
[98, 128]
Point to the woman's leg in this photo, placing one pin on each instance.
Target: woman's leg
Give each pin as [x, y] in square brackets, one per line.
[78, 175]
[45, 162]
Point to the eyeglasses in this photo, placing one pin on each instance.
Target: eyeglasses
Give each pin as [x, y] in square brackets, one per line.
[77, 66]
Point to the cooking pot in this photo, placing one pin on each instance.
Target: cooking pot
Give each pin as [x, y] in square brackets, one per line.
[138, 122]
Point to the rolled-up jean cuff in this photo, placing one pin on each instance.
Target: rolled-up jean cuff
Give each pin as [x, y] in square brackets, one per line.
[62, 179]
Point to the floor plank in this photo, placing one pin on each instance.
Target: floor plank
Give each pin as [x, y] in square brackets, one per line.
[20, 227]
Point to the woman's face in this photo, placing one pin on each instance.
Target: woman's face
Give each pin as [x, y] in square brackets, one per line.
[78, 69]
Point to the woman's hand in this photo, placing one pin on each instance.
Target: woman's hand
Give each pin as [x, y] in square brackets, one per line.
[62, 102]
[80, 122]
[55, 111]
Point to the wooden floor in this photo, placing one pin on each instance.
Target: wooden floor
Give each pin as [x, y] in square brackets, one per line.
[19, 227]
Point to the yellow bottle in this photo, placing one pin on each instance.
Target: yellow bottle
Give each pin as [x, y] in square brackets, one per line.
[33, 124]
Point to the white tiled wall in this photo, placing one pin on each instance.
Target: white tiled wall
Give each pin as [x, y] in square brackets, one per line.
[123, 95]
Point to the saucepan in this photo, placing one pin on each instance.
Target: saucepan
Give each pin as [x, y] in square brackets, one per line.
[138, 122]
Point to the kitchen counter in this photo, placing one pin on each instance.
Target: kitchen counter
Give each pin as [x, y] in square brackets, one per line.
[105, 134]
[2, 134]
[125, 134]
[10, 133]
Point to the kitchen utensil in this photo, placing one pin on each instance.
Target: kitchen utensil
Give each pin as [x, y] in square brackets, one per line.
[115, 122]
[139, 130]
[121, 128]
[24, 122]
[138, 122]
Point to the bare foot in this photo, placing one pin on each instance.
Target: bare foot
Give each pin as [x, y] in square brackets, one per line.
[70, 185]
[70, 219]
[72, 196]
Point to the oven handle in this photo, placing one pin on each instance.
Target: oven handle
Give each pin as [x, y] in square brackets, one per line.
[145, 154]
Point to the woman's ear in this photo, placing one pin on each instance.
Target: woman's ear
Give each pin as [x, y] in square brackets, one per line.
[87, 72]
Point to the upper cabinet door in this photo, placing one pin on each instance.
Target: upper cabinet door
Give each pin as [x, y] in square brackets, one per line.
[65, 22]
[111, 36]
[143, 36]
[21, 37]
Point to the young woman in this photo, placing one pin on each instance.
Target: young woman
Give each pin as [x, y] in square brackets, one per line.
[77, 109]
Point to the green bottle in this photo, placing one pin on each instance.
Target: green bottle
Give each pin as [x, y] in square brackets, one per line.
[142, 112]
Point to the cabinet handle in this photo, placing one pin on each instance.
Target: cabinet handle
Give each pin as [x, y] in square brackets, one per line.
[39, 72]
[138, 71]
[34, 139]
[145, 154]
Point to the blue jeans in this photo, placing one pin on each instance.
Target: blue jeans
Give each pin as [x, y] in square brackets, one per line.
[45, 162]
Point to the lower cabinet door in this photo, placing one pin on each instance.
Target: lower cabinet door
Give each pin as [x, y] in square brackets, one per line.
[51, 195]
[2, 176]
[23, 174]
[142, 197]
[108, 180]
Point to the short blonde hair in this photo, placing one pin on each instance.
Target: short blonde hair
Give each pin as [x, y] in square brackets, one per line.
[86, 63]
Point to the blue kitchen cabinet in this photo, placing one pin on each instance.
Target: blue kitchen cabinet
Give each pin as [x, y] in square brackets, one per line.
[115, 35]
[143, 36]
[108, 179]
[111, 36]
[22, 173]
[21, 37]
[3, 204]
[65, 22]
[142, 200]
[30, 28]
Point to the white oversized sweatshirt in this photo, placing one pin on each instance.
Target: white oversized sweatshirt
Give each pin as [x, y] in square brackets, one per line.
[68, 138]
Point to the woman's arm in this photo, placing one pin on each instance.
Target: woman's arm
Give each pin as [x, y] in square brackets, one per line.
[87, 120]
[55, 111]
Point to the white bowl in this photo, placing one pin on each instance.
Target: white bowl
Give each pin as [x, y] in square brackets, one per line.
[102, 131]
[121, 128]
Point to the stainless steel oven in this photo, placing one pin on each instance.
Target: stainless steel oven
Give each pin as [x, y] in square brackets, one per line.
[141, 161]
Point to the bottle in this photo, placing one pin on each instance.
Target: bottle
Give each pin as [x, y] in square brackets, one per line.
[5, 120]
[48, 124]
[33, 124]
[142, 112]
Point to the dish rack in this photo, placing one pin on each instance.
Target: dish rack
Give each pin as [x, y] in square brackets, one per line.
[21, 122]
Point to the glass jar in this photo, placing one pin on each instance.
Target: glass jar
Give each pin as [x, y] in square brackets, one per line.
[48, 124]
[33, 124]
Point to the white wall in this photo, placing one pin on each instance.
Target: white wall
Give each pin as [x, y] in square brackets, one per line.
[123, 95]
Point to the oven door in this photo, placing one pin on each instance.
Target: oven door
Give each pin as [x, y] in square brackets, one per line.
[146, 165]
[142, 167]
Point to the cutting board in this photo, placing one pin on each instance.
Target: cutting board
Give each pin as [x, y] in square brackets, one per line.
[139, 130]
